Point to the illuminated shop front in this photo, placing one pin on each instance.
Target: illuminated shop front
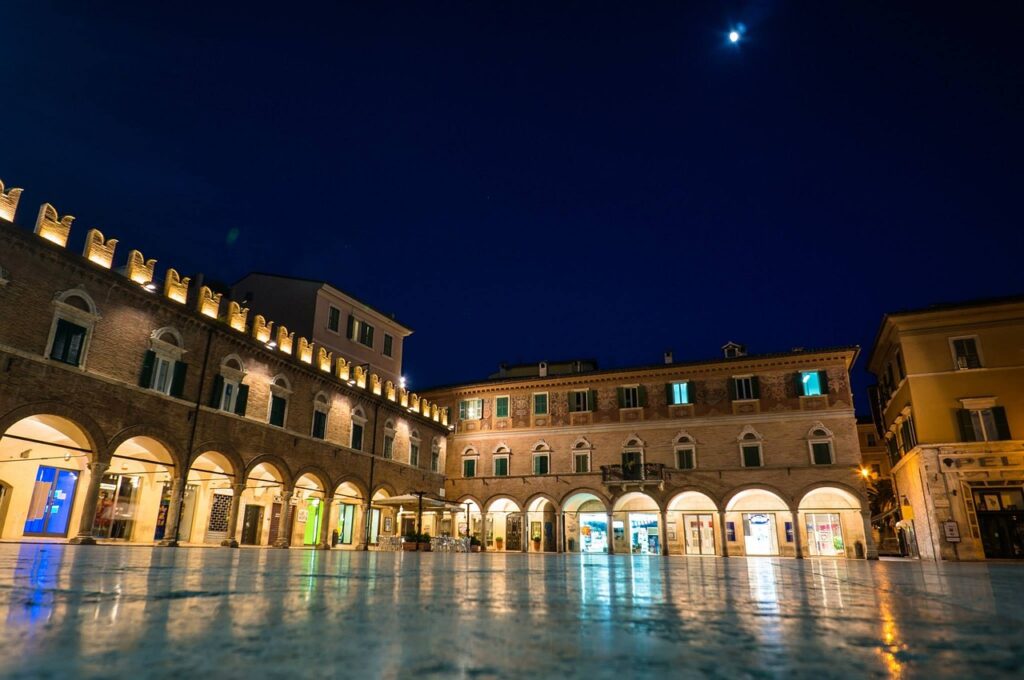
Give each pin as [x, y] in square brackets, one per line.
[759, 523]
[53, 496]
[636, 528]
[116, 507]
[691, 524]
[586, 523]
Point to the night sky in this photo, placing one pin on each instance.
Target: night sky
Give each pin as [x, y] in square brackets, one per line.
[527, 181]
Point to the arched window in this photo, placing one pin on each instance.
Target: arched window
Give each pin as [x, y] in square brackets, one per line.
[358, 426]
[321, 408]
[633, 457]
[686, 452]
[389, 439]
[541, 458]
[470, 458]
[280, 391]
[820, 445]
[163, 369]
[501, 460]
[414, 448]
[581, 455]
[435, 455]
[751, 453]
[74, 317]
[229, 393]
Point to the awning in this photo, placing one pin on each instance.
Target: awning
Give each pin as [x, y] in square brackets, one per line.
[411, 502]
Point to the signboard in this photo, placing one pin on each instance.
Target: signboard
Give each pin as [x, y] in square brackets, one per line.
[952, 531]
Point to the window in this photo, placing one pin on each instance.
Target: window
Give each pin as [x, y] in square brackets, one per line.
[229, 393]
[280, 390]
[414, 449]
[501, 407]
[358, 424]
[471, 409]
[965, 353]
[821, 453]
[389, 447]
[581, 461]
[541, 463]
[745, 387]
[359, 331]
[435, 460]
[469, 467]
[579, 400]
[632, 397]
[812, 383]
[501, 466]
[686, 454]
[388, 345]
[540, 404]
[872, 440]
[74, 317]
[321, 407]
[678, 393]
[333, 319]
[908, 434]
[901, 370]
[751, 455]
[162, 368]
[983, 424]
[68, 342]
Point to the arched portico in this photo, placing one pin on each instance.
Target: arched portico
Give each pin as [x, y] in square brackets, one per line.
[309, 499]
[134, 503]
[586, 517]
[692, 524]
[346, 516]
[637, 525]
[759, 522]
[832, 522]
[473, 519]
[209, 485]
[542, 524]
[503, 525]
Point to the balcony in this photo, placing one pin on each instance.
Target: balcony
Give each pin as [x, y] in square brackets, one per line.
[646, 474]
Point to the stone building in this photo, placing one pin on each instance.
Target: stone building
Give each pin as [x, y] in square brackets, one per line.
[950, 406]
[742, 455]
[128, 401]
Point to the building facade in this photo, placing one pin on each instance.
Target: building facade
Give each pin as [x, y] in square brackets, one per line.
[330, 318]
[745, 455]
[140, 409]
[950, 406]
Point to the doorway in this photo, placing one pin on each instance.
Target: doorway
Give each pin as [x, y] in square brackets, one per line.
[632, 466]
[825, 535]
[643, 534]
[699, 534]
[275, 523]
[252, 522]
[1001, 522]
[514, 532]
[759, 537]
[115, 507]
[217, 527]
[53, 496]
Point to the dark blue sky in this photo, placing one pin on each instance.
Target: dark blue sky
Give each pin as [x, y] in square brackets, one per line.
[546, 180]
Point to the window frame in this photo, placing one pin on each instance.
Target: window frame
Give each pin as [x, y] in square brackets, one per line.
[358, 420]
[85, 319]
[751, 444]
[473, 460]
[280, 388]
[576, 401]
[322, 407]
[538, 456]
[502, 457]
[977, 350]
[827, 442]
[480, 409]
[748, 382]
[336, 329]
[675, 387]
[684, 443]
[547, 404]
[388, 346]
[508, 406]
[626, 390]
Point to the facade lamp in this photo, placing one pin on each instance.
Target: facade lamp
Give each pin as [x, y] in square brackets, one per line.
[151, 287]
[271, 345]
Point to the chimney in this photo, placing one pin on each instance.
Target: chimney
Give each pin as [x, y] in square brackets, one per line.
[668, 356]
[542, 369]
[502, 369]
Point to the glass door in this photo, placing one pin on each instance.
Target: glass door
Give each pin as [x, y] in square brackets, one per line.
[115, 508]
[825, 535]
[594, 532]
[759, 537]
[700, 534]
[643, 534]
[53, 496]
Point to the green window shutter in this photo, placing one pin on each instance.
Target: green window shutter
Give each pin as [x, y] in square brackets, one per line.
[755, 384]
[462, 410]
[732, 389]
[593, 401]
[670, 393]
[622, 397]
[572, 402]
[350, 327]
[691, 392]
[146, 376]
[277, 405]
[823, 381]
[241, 400]
[1002, 426]
[218, 391]
[641, 392]
[369, 336]
[963, 419]
[178, 381]
[798, 381]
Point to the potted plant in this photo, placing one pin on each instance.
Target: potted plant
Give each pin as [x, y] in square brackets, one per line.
[536, 543]
[410, 542]
[424, 542]
[474, 544]
[499, 543]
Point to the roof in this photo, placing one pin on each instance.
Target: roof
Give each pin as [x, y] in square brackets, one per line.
[650, 367]
[327, 284]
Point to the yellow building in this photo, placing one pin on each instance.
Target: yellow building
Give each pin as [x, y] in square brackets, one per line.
[950, 404]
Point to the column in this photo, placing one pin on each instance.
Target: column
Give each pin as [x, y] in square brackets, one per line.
[365, 533]
[797, 543]
[170, 539]
[664, 533]
[92, 495]
[559, 531]
[284, 532]
[611, 535]
[325, 525]
[236, 499]
[526, 539]
[725, 534]
[870, 549]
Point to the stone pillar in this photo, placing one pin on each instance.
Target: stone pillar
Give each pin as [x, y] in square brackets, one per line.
[611, 534]
[236, 499]
[525, 532]
[725, 534]
[325, 526]
[92, 495]
[797, 543]
[170, 539]
[284, 532]
[664, 533]
[870, 549]
[559, 532]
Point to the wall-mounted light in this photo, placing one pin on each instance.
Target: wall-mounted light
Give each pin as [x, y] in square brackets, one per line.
[271, 345]
[151, 287]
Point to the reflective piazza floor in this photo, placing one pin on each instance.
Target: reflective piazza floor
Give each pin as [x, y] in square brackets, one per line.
[92, 611]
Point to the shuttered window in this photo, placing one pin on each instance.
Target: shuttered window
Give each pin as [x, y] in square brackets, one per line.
[68, 340]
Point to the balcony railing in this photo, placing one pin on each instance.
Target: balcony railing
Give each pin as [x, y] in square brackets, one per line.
[647, 472]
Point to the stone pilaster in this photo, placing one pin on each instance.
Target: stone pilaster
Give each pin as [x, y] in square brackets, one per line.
[325, 524]
[170, 539]
[284, 532]
[92, 495]
[870, 549]
[236, 500]
[725, 535]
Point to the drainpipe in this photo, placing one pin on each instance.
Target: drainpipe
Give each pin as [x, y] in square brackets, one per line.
[192, 431]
